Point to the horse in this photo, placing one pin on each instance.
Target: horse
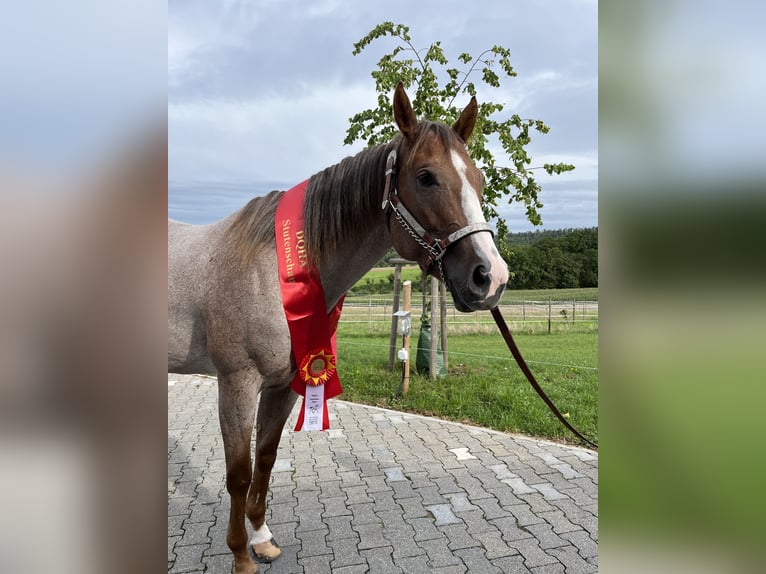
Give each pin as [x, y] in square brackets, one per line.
[419, 193]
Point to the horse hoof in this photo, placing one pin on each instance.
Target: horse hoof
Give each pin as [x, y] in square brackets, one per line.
[265, 551]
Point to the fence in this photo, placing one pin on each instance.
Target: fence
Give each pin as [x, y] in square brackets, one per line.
[376, 310]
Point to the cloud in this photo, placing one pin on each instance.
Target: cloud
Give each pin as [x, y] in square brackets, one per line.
[260, 91]
[276, 138]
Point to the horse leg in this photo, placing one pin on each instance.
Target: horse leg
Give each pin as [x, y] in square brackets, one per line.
[237, 400]
[276, 404]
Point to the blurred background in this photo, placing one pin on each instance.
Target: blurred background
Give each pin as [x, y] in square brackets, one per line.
[83, 201]
[681, 210]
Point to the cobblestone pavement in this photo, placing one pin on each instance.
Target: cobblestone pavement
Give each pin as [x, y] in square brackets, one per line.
[384, 491]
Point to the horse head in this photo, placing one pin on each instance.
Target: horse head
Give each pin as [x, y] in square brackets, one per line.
[433, 198]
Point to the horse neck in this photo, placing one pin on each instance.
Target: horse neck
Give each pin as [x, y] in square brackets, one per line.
[339, 275]
[369, 239]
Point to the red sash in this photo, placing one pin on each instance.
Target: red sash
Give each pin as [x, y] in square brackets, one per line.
[312, 330]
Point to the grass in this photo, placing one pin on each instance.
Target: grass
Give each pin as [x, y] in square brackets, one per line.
[409, 273]
[485, 386]
[577, 294]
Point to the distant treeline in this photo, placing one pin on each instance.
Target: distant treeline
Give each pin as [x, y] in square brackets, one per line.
[555, 259]
[547, 259]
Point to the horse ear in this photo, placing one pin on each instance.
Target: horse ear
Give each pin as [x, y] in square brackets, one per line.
[467, 120]
[403, 114]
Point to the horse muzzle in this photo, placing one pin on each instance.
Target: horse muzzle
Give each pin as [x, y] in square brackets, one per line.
[476, 274]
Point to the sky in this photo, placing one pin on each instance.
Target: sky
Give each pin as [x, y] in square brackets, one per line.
[260, 92]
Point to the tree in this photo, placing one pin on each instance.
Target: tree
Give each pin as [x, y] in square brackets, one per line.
[432, 100]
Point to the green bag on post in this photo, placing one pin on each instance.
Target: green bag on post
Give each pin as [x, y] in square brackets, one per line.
[422, 359]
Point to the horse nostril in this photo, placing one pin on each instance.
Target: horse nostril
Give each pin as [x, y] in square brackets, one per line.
[481, 277]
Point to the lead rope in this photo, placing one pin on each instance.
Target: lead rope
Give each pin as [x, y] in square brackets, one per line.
[506, 333]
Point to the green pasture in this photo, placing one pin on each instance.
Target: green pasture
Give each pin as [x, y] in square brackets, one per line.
[484, 386]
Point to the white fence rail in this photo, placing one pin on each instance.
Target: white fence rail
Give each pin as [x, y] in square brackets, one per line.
[378, 309]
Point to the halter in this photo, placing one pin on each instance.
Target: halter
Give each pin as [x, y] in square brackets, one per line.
[435, 247]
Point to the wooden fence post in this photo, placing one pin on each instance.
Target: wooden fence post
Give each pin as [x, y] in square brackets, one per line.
[549, 315]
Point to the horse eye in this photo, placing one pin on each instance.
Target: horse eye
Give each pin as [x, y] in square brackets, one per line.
[426, 179]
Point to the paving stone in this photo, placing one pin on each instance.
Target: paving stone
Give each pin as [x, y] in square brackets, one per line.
[511, 565]
[195, 533]
[180, 505]
[384, 501]
[403, 489]
[545, 535]
[458, 536]
[394, 474]
[363, 514]
[380, 561]
[218, 564]
[417, 564]
[174, 525]
[439, 554]
[284, 534]
[538, 503]
[282, 512]
[313, 543]
[346, 553]
[558, 520]
[491, 508]
[316, 564]
[547, 490]
[424, 529]
[572, 561]
[533, 555]
[202, 512]
[584, 543]
[523, 514]
[309, 519]
[402, 539]
[462, 453]
[371, 536]
[443, 514]
[172, 540]
[385, 492]
[460, 503]
[476, 522]
[335, 506]
[340, 527]
[478, 561]
[493, 544]
[188, 558]
[509, 529]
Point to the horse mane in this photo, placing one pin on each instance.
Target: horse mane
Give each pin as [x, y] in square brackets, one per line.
[252, 227]
[339, 201]
[343, 200]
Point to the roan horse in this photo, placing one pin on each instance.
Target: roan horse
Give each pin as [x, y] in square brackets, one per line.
[224, 301]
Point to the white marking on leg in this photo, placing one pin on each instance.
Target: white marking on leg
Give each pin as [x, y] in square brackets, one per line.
[263, 534]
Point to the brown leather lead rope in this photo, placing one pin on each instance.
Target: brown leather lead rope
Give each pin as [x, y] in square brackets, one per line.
[530, 377]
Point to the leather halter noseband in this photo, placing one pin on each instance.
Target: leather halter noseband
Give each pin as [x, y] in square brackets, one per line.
[435, 247]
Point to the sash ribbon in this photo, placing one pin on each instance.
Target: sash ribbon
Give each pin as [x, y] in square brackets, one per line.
[312, 329]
